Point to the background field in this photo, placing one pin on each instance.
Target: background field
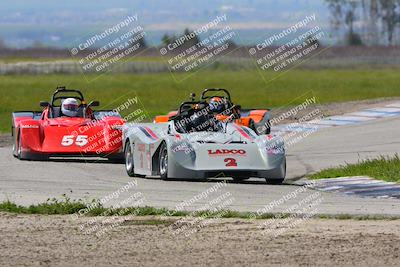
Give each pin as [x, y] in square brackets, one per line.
[160, 92]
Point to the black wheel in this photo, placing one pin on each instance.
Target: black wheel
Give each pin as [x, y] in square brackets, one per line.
[280, 175]
[129, 162]
[19, 147]
[17, 151]
[163, 161]
[14, 138]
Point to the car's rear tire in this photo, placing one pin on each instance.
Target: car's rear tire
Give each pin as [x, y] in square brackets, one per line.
[279, 176]
[129, 161]
[163, 161]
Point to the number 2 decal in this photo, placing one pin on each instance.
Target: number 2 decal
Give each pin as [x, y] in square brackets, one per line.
[68, 140]
[230, 162]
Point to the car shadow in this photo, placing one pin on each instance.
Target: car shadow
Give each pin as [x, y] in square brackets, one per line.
[84, 160]
[228, 180]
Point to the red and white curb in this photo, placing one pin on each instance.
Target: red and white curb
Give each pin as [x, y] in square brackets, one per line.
[361, 186]
[366, 115]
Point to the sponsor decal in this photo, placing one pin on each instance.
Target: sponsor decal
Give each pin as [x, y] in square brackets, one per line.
[224, 152]
[242, 132]
[79, 140]
[148, 132]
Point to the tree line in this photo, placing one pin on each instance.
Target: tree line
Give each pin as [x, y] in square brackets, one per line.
[369, 22]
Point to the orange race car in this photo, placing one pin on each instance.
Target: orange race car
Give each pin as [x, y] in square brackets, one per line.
[218, 102]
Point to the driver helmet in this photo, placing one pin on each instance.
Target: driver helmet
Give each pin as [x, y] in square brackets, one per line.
[69, 107]
[217, 104]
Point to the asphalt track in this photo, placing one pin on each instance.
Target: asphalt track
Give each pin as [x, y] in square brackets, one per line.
[26, 182]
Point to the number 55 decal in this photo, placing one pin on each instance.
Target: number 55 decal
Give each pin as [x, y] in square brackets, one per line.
[81, 140]
[230, 162]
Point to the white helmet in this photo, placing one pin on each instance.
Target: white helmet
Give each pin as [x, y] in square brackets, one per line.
[69, 107]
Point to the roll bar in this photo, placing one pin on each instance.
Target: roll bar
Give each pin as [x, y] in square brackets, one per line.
[227, 94]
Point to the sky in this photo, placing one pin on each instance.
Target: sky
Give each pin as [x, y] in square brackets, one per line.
[61, 23]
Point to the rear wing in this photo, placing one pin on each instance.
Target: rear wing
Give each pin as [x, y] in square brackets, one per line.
[27, 114]
[100, 114]
[255, 109]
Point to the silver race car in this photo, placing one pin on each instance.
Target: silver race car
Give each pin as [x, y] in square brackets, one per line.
[194, 144]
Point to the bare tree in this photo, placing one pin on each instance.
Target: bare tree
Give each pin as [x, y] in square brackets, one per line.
[335, 7]
[352, 37]
[373, 20]
[379, 18]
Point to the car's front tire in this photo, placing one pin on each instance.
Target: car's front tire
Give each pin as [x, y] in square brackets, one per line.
[129, 161]
[279, 176]
[19, 148]
[163, 161]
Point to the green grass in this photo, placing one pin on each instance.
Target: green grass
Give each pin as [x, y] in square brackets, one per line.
[160, 93]
[49, 207]
[67, 206]
[382, 168]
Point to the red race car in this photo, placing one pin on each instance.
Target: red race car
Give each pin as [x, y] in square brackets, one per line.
[67, 126]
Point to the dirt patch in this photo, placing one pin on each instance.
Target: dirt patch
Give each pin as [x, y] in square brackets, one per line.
[5, 140]
[59, 241]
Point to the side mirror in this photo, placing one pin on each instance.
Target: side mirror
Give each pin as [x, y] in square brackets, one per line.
[94, 104]
[44, 104]
[192, 96]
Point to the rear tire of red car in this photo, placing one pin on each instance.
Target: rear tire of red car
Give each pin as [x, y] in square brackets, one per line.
[129, 162]
[163, 161]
